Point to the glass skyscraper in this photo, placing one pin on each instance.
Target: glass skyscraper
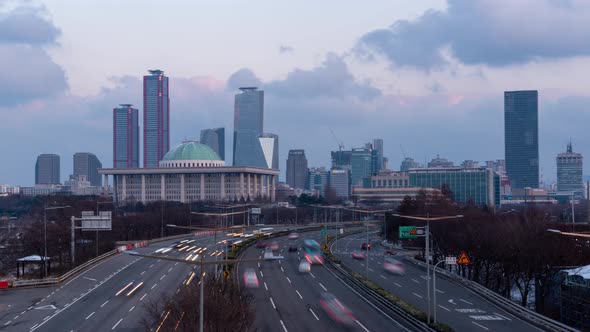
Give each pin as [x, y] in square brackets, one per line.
[125, 137]
[248, 126]
[297, 169]
[521, 138]
[269, 144]
[569, 172]
[361, 165]
[87, 164]
[47, 169]
[156, 118]
[215, 139]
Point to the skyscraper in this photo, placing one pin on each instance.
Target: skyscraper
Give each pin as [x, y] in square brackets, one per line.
[297, 169]
[521, 138]
[125, 137]
[248, 126]
[361, 165]
[408, 163]
[318, 180]
[342, 159]
[569, 172]
[269, 145]
[378, 146]
[47, 169]
[156, 118]
[215, 139]
[339, 180]
[87, 164]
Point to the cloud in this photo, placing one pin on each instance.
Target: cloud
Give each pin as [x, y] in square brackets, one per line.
[27, 25]
[285, 49]
[241, 78]
[483, 32]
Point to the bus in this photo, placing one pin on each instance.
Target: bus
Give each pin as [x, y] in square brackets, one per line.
[312, 252]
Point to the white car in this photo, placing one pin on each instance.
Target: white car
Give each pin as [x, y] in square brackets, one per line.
[394, 266]
[304, 266]
[250, 279]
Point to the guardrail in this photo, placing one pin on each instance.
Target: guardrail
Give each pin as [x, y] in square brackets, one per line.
[533, 317]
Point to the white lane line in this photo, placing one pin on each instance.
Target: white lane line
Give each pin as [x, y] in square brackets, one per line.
[418, 295]
[311, 274]
[262, 275]
[8, 322]
[301, 297]
[23, 312]
[323, 287]
[444, 307]
[177, 291]
[289, 280]
[170, 269]
[466, 301]
[142, 273]
[265, 287]
[370, 269]
[175, 263]
[398, 285]
[154, 286]
[497, 314]
[90, 315]
[273, 303]
[162, 277]
[424, 277]
[314, 315]
[361, 325]
[115, 326]
[483, 327]
[151, 266]
[416, 281]
[382, 276]
[258, 265]
[144, 295]
[46, 318]
[362, 264]
[438, 290]
[130, 310]
[16, 317]
[283, 325]
[104, 304]
[34, 326]
[282, 269]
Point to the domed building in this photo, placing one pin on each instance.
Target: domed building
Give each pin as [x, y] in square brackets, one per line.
[190, 172]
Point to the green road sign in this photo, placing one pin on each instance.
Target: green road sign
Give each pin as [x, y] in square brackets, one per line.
[323, 232]
[408, 232]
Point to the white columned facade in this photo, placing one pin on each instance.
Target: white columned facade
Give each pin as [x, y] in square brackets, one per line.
[268, 186]
[106, 184]
[248, 189]
[262, 191]
[222, 186]
[202, 182]
[182, 191]
[272, 193]
[255, 185]
[162, 187]
[143, 188]
[124, 187]
[242, 185]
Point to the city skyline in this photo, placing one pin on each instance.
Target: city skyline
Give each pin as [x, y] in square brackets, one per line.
[361, 89]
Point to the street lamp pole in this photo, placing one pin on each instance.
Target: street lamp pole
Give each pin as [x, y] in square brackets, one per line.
[434, 286]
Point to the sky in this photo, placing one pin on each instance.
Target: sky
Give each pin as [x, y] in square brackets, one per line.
[426, 76]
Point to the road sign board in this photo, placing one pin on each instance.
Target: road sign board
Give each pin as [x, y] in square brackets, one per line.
[255, 210]
[226, 274]
[91, 222]
[463, 259]
[451, 260]
[323, 232]
[408, 232]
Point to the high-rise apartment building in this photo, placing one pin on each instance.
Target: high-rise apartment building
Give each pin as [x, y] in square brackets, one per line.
[297, 169]
[156, 118]
[125, 137]
[521, 138]
[569, 172]
[215, 139]
[87, 164]
[318, 180]
[269, 144]
[361, 165]
[248, 126]
[47, 169]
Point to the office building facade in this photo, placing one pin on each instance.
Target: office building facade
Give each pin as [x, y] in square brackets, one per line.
[440, 162]
[317, 180]
[297, 169]
[269, 144]
[47, 169]
[341, 159]
[408, 163]
[569, 172]
[360, 165]
[390, 179]
[378, 150]
[125, 137]
[156, 118]
[521, 138]
[215, 139]
[87, 164]
[339, 181]
[248, 126]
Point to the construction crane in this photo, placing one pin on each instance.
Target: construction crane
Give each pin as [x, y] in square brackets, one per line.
[403, 152]
[340, 147]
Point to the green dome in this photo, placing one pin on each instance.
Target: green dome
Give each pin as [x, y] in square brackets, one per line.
[191, 151]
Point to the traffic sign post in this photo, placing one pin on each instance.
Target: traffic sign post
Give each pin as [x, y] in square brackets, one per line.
[451, 260]
[408, 232]
[463, 259]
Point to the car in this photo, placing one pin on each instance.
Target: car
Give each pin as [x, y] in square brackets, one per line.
[274, 246]
[394, 266]
[261, 244]
[293, 236]
[365, 246]
[304, 266]
[268, 254]
[250, 279]
[390, 252]
[336, 310]
[293, 247]
[358, 255]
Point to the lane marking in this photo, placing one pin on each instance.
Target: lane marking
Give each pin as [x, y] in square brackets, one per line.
[8, 322]
[115, 326]
[418, 295]
[33, 327]
[382, 276]
[151, 266]
[370, 269]
[162, 277]
[444, 308]
[466, 301]
[483, 327]
[416, 281]
[265, 286]
[170, 269]
[301, 297]
[273, 303]
[311, 274]
[283, 324]
[154, 285]
[90, 315]
[282, 269]
[438, 290]
[262, 275]
[144, 295]
[104, 304]
[314, 315]
[289, 280]
[398, 285]
[361, 325]
[130, 310]
[497, 314]
[323, 287]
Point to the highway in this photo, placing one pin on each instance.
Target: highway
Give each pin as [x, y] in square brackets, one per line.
[288, 300]
[457, 306]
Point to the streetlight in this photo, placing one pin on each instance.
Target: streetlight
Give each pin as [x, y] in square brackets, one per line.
[45, 208]
[428, 218]
[97, 213]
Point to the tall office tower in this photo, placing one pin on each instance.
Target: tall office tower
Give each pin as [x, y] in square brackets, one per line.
[339, 181]
[318, 180]
[269, 144]
[521, 138]
[125, 137]
[215, 139]
[569, 172]
[361, 165]
[440, 162]
[248, 125]
[87, 164]
[296, 169]
[408, 163]
[47, 169]
[378, 146]
[156, 118]
[342, 159]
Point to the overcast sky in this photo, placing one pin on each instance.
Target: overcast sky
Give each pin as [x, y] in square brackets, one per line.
[427, 76]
